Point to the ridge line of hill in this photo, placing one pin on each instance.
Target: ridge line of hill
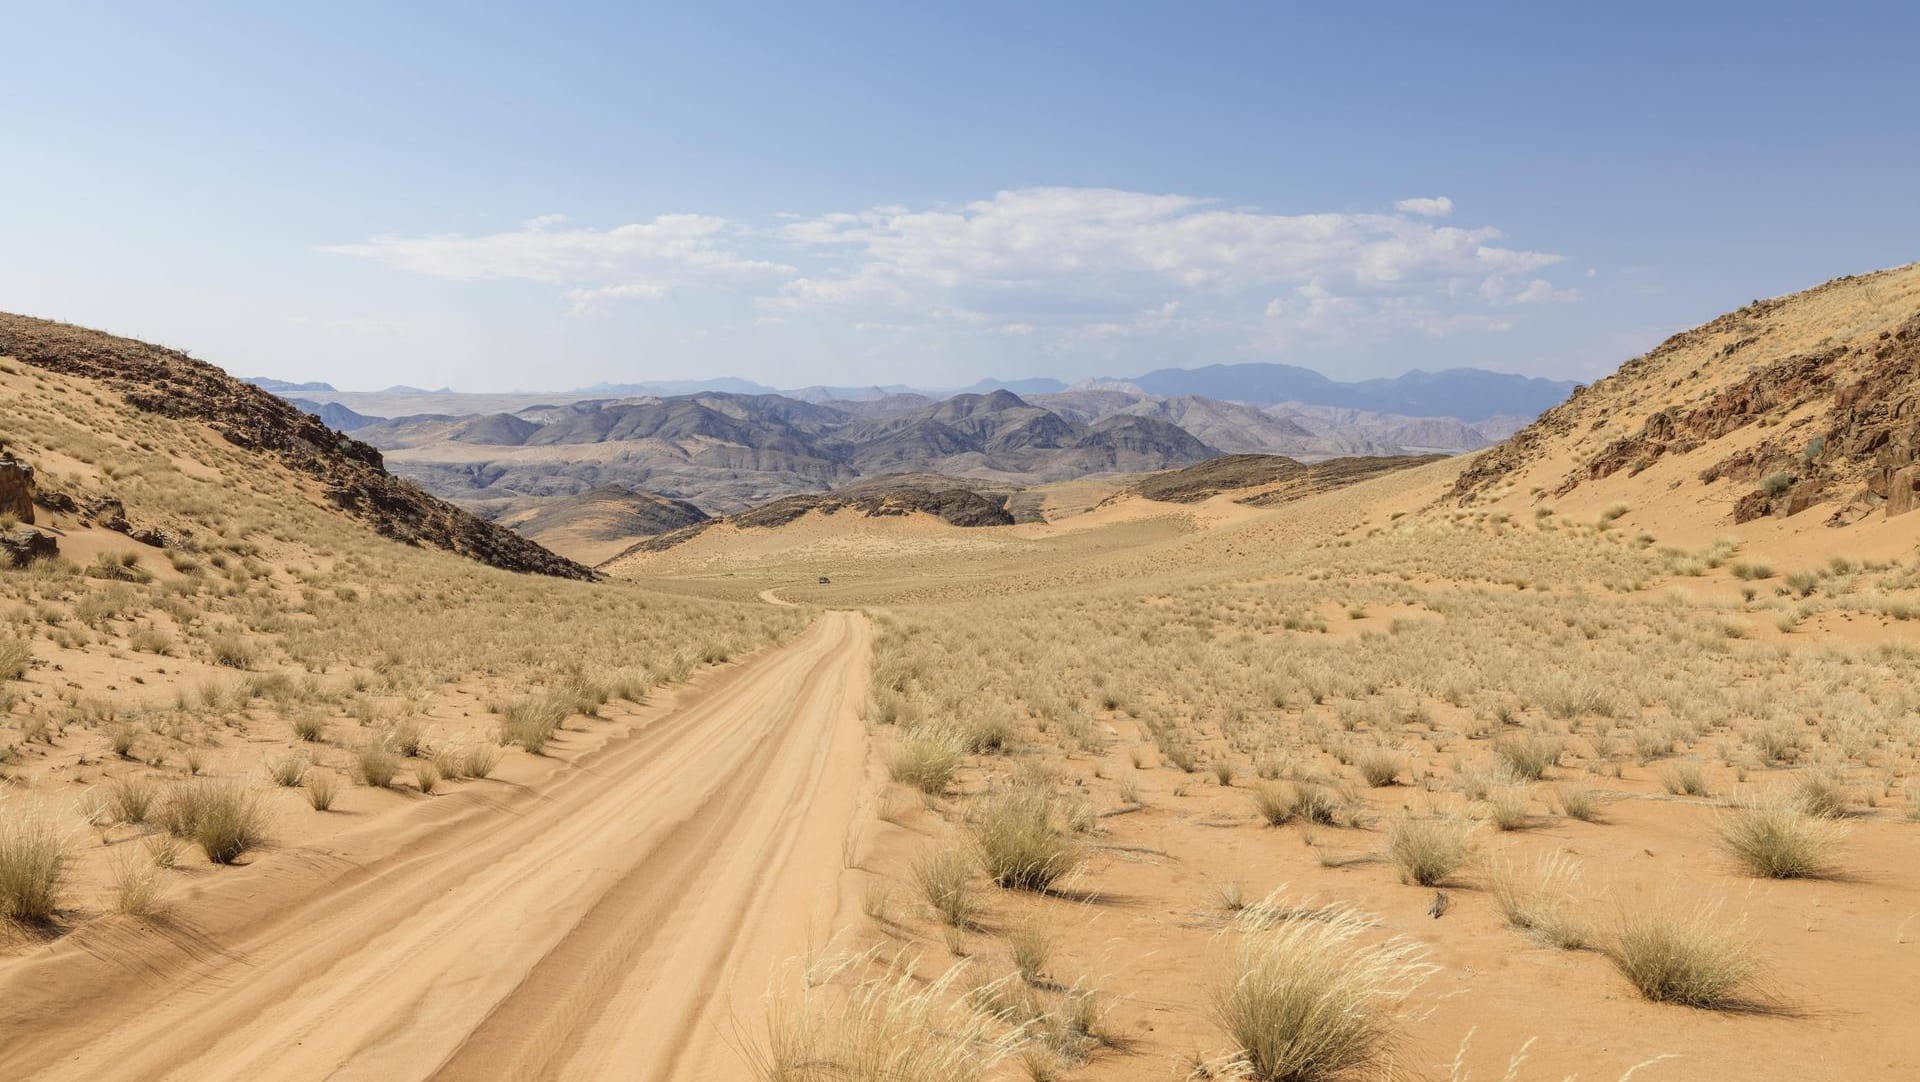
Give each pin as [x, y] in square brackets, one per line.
[354, 475]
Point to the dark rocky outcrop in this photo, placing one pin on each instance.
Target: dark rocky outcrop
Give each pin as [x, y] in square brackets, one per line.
[23, 545]
[16, 489]
[351, 473]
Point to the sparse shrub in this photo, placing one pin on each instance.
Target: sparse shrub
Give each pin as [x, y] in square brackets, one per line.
[322, 786]
[1684, 779]
[945, 878]
[136, 889]
[233, 651]
[1580, 803]
[927, 758]
[1823, 792]
[1223, 771]
[1018, 846]
[309, 726]
[1774, 836]
[33, 867]
[531, 722]
[1427, 851]
[288, 771]
[1507, 808]
[426, 775]
[1776, 484]
[1379, 766]
[131, 799]
[989, 735]
[1689, 958]
[1308, 1001]
[1539, 901]
[479, 760]
[16, 655]
[376, 763]
[1529, 757]
[230, 821]
[1030, 949]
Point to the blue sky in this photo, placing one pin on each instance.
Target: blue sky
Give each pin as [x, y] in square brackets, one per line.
[511, 196]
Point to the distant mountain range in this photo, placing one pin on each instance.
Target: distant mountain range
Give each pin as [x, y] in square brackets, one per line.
[724, 445]
[1461, 394]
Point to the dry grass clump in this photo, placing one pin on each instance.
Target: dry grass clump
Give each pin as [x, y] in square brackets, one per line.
[1529, 757]
[1428, 850]
[884, 1028]
[1017, 844]
[288, 771]
[136, 889]
[1824, 792]
[927, 758]
[1309, 1001]
[1773, 835]
[376, 763]
[1540, 900]
[945, 878]
[322, 786]
[15, 657]
[1689, 958]
[224, 818]
[1281, 802]
[1379, 766]
[531, 722]
[131, 799]
[33, 866]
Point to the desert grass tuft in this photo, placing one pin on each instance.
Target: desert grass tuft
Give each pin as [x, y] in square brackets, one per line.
[945, 879]
[1310, 1001]
[1428, 850]
[1688, 957]
[1539, 900]
[927, 758]
[33, 867]
[1773, 835]
[1018, 846]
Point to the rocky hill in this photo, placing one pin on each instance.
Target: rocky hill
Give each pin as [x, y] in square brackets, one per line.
[729, 452]
[1808, 403]
[1267, 480]
[349, 474]
[956, 504]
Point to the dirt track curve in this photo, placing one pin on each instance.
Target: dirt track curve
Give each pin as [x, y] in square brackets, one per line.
[618, 921]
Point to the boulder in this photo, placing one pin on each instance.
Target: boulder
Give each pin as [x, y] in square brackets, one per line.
[16, 489]
[1903, 491]
[23, 545]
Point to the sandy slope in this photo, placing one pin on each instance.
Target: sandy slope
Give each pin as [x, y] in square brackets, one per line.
[618, 921]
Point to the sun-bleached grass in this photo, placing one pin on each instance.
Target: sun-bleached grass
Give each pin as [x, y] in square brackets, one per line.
[1540, 899]
[1428, 850]
[229, 820]
[1772, 835]
[945, 879]
[288, 771]
[33, 866]
[1016, 841]
[927, 758]
[322, 787]
[1687, 956]
[376, 764]
[1311, 1000]
[885, 1027]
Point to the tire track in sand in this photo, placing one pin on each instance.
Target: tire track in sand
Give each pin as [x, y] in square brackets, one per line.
[615, 929]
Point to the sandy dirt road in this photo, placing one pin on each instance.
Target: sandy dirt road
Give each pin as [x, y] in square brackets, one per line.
[619, 922]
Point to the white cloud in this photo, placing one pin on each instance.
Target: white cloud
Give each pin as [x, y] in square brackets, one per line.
[1438, 206]
[642, 260]
[1062, 267]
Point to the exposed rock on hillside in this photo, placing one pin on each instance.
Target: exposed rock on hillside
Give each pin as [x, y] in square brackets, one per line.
[956, 506]
[351, 473]
[1805, 400]
[16, 489]
[1279, 479]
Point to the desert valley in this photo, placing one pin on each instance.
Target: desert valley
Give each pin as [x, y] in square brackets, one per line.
[1589, 754]
[959, 542]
